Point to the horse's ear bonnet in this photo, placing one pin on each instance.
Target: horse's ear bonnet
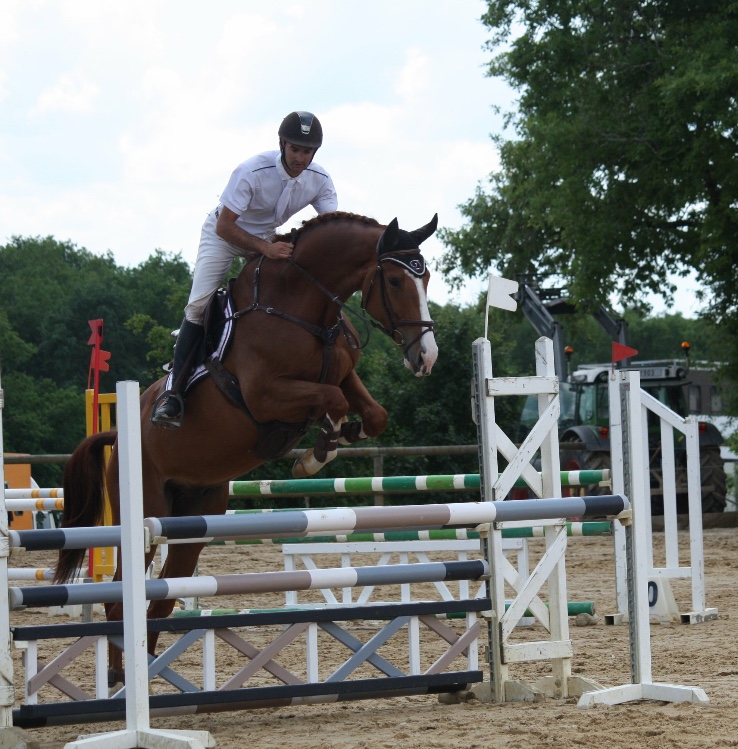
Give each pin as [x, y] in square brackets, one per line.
[395, 240]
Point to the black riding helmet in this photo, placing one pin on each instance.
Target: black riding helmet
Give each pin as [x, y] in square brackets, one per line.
[302, 129]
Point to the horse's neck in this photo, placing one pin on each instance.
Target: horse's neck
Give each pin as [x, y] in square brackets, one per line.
[338, 263]
[339, 266]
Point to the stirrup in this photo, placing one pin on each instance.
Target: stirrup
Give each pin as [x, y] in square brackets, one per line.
[160, 418]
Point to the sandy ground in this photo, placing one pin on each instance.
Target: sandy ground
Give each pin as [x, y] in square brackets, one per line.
[704, 655]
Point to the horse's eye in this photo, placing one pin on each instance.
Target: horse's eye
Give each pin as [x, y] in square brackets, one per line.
[395, 283]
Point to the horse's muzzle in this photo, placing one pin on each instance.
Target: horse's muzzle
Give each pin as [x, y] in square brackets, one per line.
[422, 354]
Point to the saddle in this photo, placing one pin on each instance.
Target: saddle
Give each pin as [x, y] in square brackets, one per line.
[275, 438]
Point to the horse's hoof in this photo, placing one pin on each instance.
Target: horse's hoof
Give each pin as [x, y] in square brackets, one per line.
[298, 470]
[115, 677]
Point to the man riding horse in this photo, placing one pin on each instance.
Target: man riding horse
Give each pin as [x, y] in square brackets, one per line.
[261, 195]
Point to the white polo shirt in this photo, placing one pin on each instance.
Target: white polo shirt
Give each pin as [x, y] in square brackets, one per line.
[264, 196]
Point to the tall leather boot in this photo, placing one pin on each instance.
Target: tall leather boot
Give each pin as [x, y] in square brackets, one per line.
[169, 406]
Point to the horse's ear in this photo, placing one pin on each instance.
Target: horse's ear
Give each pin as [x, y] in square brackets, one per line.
[420, 235]
[389, 237]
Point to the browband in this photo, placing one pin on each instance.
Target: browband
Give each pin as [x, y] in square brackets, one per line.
[411, 261]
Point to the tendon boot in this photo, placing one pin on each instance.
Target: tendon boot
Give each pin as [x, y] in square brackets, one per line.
[169, 406]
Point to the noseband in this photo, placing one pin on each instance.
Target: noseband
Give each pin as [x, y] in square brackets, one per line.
[414, 263]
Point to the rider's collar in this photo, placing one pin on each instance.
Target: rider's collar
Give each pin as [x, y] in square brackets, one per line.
[284, 174]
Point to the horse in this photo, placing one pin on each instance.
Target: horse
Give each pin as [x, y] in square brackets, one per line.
[291, 363]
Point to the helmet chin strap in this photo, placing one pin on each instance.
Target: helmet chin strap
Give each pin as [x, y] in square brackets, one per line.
[281, 151]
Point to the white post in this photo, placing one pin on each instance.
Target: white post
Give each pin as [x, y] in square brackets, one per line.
[664, 607]
[638, 545]
[10, 737]
[137, 732]
[554, 534]
[618, 487]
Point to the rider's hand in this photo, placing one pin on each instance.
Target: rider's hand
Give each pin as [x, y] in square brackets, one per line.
[278, 250]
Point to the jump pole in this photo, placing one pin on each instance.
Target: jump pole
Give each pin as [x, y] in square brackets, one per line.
[10, 736]
[138, 732]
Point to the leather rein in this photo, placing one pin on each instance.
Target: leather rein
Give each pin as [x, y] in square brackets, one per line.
[330, 334]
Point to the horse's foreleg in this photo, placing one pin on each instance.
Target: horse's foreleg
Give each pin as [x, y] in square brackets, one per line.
[334, 432]
[181, 561]
[326, 448]
[373, 417]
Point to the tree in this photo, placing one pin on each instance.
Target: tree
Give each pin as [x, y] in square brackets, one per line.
[622, 168]
[48, 292]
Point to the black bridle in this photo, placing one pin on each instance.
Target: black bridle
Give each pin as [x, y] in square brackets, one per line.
[328, 335]
[413, 262]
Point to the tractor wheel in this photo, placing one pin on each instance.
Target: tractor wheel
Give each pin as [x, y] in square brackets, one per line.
[712, 470]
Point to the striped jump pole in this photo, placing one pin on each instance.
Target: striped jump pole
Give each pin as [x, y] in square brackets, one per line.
[33, 494]
[574, 608]
[48, 539]
[24, 574]
[22, 500]
[257, 582]
[32, 505]
[390, 484]
[573, 529]
[347, 520]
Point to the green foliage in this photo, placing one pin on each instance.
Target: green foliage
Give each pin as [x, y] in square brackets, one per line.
[49, 290]
[621, 169]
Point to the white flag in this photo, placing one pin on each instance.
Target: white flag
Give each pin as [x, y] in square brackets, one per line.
[499, 294]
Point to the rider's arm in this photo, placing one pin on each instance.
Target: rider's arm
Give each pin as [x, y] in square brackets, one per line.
[227, 229]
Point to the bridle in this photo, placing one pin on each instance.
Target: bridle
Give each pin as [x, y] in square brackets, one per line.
[410, 260]
[413, 262]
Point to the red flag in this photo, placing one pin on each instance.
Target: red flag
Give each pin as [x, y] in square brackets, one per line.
[620, 352]
[97, 332]
[99, 360]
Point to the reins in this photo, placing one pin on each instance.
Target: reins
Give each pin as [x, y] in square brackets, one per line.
[330, 334]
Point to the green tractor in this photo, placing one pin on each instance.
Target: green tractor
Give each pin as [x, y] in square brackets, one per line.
[584, 422]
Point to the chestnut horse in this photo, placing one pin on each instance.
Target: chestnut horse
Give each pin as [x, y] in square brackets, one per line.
[291, 362]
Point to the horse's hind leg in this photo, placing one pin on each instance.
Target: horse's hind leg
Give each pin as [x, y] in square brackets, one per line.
[182, 559]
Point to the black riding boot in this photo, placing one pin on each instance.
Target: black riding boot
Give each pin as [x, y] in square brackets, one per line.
[169, 406]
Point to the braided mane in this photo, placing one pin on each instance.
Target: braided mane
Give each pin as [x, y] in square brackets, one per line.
[326, 218]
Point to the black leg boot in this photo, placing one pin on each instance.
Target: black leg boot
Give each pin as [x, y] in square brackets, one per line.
[169, 406]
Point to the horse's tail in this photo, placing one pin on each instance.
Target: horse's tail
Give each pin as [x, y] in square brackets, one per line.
[84, 497]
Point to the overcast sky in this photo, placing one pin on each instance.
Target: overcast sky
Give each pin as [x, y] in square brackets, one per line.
[120, 122]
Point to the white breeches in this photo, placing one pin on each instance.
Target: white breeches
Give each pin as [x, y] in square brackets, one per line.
[214, 258]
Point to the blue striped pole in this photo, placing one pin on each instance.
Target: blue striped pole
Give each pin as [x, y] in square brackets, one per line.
[339, 521]
[347, 520]
[257, 582]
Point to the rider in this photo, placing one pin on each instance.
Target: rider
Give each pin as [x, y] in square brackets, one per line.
[262, 193]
